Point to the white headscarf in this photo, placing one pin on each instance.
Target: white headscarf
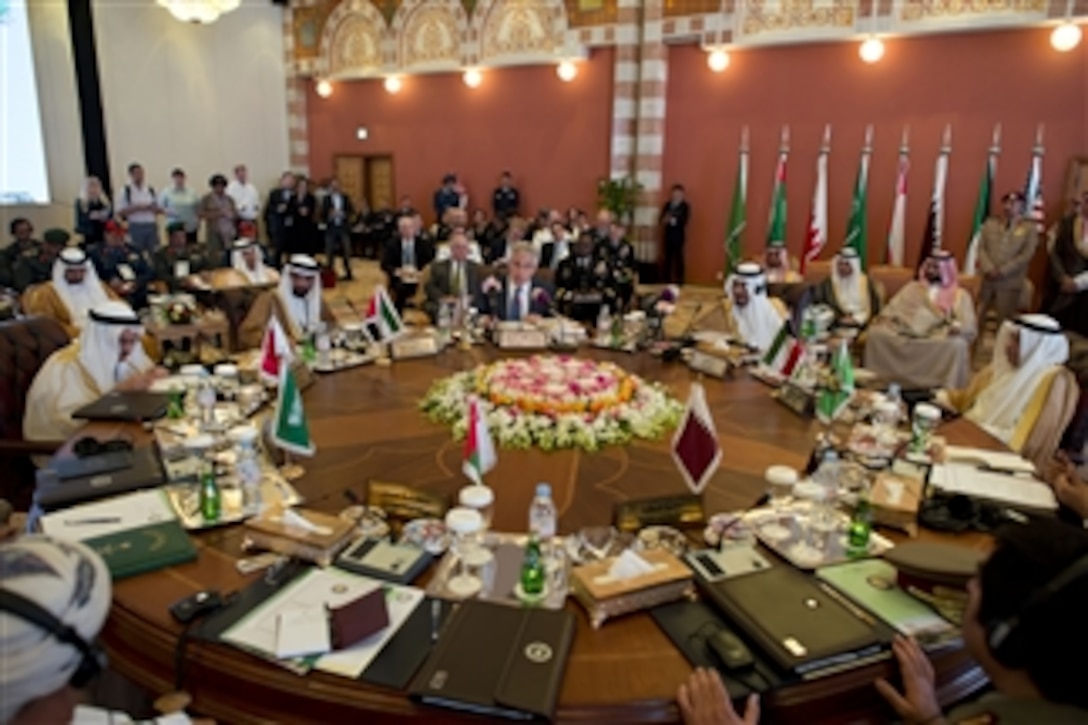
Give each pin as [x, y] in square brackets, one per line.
[305, 312]
[238, 262]
[1001, 403]
[69, 581]
[100, 345]
[852, 299]
[758, 322]
[78, 298]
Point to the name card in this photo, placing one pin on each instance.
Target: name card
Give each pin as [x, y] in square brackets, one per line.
[412, 346]
[405, 503]
[797, 399]
[676, 511]
[520, 338]
[708, 364]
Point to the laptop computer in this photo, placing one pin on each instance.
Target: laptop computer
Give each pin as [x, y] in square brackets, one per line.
[494, 659]
[126, 405]
[56, 491]
[804, 627]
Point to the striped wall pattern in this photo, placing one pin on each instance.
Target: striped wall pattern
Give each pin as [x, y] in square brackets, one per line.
[649, 152]
[298, 142]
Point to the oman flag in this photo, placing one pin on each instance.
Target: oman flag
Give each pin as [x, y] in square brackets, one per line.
[479, 455]
[695, 444]
[275, 351]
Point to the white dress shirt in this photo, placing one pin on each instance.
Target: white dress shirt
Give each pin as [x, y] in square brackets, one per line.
[246, 199]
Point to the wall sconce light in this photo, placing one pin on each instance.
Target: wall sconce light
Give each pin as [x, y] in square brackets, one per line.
[472, 78]
[871, 49]
[1065, 37]
[717, 60]
[393, 84]
[566, 71]
[324, 88]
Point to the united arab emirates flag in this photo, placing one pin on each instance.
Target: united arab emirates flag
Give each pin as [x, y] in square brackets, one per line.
[833, 400]
[383, 322]
[289, 428]
[695, 445]
[479, 455]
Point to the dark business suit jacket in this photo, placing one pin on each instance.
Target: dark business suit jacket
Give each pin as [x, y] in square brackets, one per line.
[495, 303]
[440, 284]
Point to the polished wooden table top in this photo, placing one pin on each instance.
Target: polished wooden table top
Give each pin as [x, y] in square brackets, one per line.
[366, 425]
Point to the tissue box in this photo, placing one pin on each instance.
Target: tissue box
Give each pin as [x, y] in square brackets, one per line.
[895, 500]
[269, 532]
[605, 597]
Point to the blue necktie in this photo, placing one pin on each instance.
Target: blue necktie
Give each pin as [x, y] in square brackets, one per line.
[513, 309]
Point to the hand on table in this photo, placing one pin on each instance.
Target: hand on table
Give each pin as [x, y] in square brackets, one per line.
[1068, 488]
[142, 381]
[704, 700]
[1069, 285]
[917, 704]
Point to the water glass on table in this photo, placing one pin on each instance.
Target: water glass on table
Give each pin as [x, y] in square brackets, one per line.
[780, 482]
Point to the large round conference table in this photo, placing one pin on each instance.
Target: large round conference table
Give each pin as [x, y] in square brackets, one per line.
[367, 425]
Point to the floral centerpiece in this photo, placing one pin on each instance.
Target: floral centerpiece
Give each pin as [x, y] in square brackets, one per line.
[180, 310]
[555, 402]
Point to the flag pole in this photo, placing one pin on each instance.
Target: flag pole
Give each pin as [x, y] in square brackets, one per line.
[291, 469]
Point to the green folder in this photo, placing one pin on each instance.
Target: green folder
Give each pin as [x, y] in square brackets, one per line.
[144, 549]
[871, 583]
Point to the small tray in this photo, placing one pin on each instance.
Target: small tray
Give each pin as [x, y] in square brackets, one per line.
[793, 548]
[185, 499]
[502, 574]
[345, 360]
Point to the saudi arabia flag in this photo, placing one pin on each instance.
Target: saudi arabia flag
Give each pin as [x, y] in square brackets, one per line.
[479, 448]
[737, 216]
[982, 211]
[857, 228]
[834, 399]
[290, 430]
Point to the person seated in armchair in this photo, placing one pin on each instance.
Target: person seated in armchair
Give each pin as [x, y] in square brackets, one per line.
[518, 295]
[923, 337]
[583, 283]
[122, 266]
[176, 264]
[71, 294]
[745, 313]
[454, 278]
[107, 355]
[780, 266]
[404, 256]
[555, 247]
[849, 292]
[616, 252]
[296, 302]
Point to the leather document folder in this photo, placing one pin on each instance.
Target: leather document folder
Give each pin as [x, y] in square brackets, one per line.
[498, 660]
[804, 627]
[145, 471]
[136, 406]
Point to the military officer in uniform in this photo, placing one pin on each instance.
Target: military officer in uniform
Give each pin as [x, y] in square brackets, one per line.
[22, 242]
[584, 282]
[174, 264]
[36, 265]
[618, 254]
[1005, 249]
[122, 266]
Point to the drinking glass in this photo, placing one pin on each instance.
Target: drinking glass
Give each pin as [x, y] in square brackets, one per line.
[463, 523]
[780, 482]
[923, 422]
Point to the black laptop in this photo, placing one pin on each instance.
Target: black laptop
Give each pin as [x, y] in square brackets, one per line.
[804, 627]
[494, 659]
[55, 490]
[126, 405]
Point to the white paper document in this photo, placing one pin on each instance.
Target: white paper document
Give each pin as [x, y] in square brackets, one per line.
[109, 516]
[302, 632]
[319, 589]
[1005, 460]
[1025, 491]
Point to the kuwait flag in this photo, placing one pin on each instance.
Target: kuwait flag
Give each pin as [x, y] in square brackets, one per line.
[737, 214]
[290, 430]
[830, 403]
[479, 448]
[857, 228]
[695, 444]
[275, 351]
[982, 211]
[383, 322]
[817, 220]
[784, 353]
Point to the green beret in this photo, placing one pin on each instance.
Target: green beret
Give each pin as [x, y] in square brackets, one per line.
[175, 227]
[58, 237]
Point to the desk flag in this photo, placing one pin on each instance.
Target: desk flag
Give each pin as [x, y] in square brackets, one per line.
[383, 322]
[275, 351]
[290, 430]
[695, 444]
[833, 399]
[784, 353]
[479, 448]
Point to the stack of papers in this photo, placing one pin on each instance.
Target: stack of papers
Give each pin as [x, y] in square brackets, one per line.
[1022, 490]
[1001, 460]
[109, 516]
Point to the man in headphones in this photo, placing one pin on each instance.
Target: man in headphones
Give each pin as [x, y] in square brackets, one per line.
[1024, 625]
[54, 598]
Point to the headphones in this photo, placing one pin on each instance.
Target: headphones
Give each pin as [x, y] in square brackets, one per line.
[92, 657]
[1003, 636]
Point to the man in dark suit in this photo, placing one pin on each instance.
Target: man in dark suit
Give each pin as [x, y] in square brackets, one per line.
[337, 211]
[506, 199]
[452, 279]
[519, 296]
[405, 255]
[583, 282]
[674, 221]
[280, 216]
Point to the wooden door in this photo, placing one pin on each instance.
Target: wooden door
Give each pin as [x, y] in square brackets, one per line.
[379, 182]
[350, 171]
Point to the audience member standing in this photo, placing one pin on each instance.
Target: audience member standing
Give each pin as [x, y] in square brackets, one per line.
[247, 200]
[180, 203]
[337, 211]
[139, 207]
[506, 199]
[280, 216]
[217, 211]
[1067, 298]
[305, 240]
[446, 197]
[1005, 250]
[93, 210]
[22, 244]
[674, 220]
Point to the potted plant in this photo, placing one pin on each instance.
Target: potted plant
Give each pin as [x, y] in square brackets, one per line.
[619, 196]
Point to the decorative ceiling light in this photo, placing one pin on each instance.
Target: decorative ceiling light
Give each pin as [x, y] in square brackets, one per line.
[718, 60]
[566, 71]
[200, 12]
[1065, 37]
[472, 77]
[324, 88]
[393, 84]
[872, 49]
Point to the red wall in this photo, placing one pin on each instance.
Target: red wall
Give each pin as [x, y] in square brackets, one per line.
[552, 136]
[969, 80]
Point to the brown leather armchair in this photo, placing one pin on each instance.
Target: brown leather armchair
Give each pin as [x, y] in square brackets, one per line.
[24, 346]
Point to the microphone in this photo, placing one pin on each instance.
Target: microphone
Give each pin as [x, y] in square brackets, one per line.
[672, 354]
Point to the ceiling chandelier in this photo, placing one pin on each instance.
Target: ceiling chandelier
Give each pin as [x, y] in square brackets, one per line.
[200, 12]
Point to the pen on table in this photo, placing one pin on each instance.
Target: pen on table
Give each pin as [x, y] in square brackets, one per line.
[759, 503]
[93, 522]
[436, 614]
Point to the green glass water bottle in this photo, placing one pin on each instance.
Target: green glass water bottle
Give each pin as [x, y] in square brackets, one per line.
[309, 352]
[532, 569]
[210, 500]
[861, 528]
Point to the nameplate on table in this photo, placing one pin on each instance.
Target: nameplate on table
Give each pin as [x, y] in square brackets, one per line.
[412, 346]
[796, 398]
[708, 364]
[406, 503]
[520, 337]
[676, 511]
